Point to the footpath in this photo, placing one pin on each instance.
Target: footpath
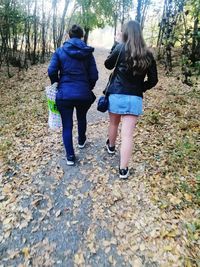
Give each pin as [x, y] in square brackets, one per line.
[57, 215]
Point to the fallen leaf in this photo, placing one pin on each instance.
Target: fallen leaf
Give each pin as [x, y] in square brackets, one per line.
[58, 213]
[26, 252]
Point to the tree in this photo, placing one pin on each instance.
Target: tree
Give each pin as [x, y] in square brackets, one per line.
[120, 11]
[34, 33]
[92, 14]
[31, 29]
[54, 7]
[62, 24]
[171, 13]
[142, 6]
[194, 5]
[179, 28]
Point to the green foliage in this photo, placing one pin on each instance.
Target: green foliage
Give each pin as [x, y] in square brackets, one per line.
[180, 28]
[154, 118]
[12, 16]
[185, 149]
[93, 14]
[121, 9]
[96, 14]
[193, 6]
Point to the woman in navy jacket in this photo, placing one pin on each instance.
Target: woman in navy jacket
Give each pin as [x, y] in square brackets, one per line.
[134, 63]
[73, 67]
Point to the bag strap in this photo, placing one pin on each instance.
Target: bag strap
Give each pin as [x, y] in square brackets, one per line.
[112, 74]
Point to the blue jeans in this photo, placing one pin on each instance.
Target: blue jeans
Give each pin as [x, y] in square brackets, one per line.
[66, 108]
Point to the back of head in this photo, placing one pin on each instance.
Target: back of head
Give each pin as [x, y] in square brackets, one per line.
[137, 55]
[76, 32]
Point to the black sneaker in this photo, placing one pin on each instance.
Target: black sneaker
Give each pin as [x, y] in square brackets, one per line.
[123, 173]
[110, 149]
[71, 160]
[82, 145]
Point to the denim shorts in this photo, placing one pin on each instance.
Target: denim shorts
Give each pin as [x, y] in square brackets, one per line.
[125, 104]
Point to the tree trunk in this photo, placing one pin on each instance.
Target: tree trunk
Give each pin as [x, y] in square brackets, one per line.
[87, 30]
[27, 34]
[43, 34]
[160, 34]
[139, 7]
[14, 48]
[115, 25]
[144, 13]
[62, 26]
[71, 15]
[35, 33]
[54, 6]
[195, 54]
[123, 14]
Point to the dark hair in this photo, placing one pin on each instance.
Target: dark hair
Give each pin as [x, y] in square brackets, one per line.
[76, 32]
[137, 55]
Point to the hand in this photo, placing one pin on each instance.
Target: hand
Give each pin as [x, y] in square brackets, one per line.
[118, 37]
[67, 36]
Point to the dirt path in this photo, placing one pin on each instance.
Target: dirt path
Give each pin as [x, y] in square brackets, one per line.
[55, 215]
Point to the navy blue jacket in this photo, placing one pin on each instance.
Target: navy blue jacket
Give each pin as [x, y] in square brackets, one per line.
[73, 67]
[123, 81]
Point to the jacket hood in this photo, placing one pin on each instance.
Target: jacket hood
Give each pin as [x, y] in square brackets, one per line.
[76, 48]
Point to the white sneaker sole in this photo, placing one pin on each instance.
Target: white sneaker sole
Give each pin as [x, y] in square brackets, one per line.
[82, 146]
[70, 163]
[124, 176]
[109, 151]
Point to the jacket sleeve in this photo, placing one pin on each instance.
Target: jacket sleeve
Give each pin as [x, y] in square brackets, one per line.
[92, 72]
[113, 47]
[53, 68]
[112, 58]
[152, 76]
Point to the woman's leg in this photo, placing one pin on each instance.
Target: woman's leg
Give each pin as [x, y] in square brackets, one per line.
[128, 126]
[81, 114]
[66, 112]
[113, 128]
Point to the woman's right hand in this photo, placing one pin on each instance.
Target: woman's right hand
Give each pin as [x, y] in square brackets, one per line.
[118, 37]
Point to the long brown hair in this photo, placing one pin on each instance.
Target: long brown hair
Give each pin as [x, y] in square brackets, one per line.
[137, 55]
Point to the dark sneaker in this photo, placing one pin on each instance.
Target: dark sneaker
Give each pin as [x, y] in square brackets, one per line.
[110, 149]
[123, 173]
[71, 160]
[82, 145]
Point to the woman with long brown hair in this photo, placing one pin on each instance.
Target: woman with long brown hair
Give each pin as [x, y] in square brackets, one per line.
[134, 63]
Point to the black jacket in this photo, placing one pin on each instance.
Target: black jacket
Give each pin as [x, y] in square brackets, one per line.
[123, 81]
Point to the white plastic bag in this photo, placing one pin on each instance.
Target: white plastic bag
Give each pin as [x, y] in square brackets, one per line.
[54, 120]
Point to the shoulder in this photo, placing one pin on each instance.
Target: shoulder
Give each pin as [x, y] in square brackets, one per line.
[114, 46]
[58, 50]
[56, 54]
[117, 50]
[118, 47]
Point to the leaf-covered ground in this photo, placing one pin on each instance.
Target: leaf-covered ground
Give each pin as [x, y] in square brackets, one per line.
[55, 215]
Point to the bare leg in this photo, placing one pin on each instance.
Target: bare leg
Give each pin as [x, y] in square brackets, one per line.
[128, 126]
[113, 128]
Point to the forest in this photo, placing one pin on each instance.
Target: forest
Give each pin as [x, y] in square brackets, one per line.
[52, 214]
[32, 29]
